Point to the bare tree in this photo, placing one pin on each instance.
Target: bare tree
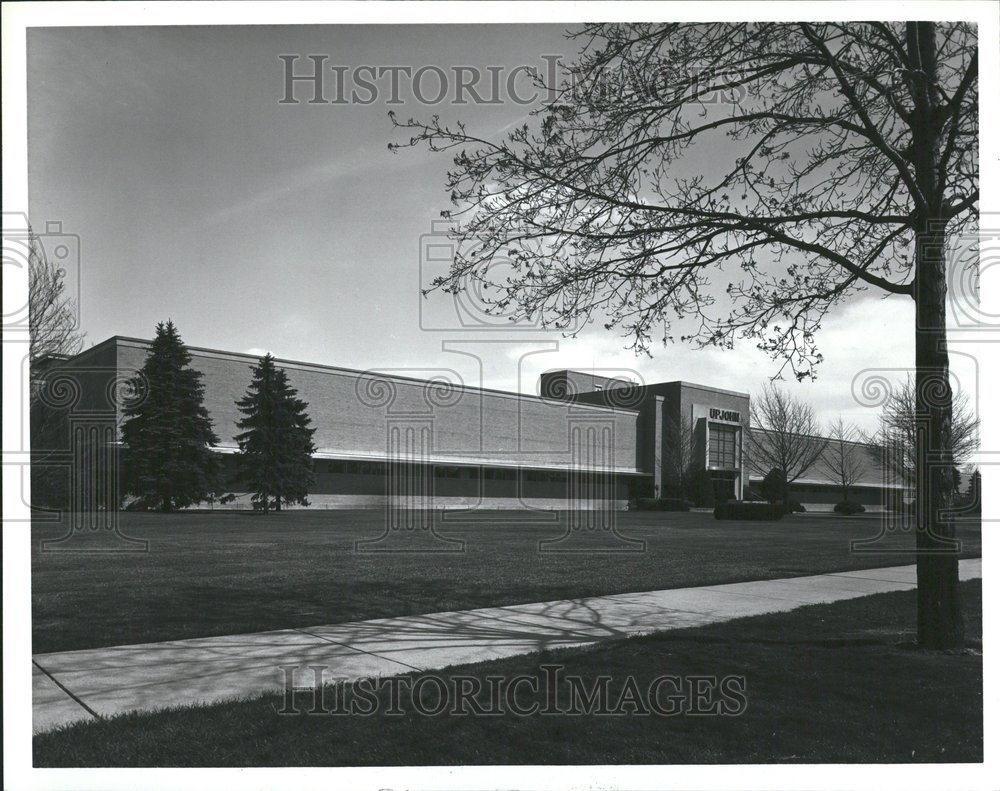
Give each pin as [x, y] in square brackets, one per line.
[53, 332]
[845, 458]
[814, 160]
[783, 436]
[895, 442]
[52, 320]
[680, 447]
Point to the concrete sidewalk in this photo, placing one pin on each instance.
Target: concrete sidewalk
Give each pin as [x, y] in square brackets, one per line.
[82, 685]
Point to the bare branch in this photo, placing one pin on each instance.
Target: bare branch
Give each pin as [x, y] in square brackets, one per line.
[776, 156]
[785, 435]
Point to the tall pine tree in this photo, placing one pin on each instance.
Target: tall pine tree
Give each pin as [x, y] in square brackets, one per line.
[166, 436]
[275, 460]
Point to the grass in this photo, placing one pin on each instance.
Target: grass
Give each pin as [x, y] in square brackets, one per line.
[826, 683]
[229, 572]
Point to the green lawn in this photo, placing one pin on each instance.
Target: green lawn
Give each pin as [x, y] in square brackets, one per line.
[228, 572]
[827, 683]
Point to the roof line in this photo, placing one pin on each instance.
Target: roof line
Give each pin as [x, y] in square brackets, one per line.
[449, 461]
[374, 372]
[628, 382]
[817, 482]
[465, 461]
[856, 443]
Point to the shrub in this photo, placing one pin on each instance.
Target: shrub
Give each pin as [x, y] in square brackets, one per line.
[773, 486]
[702, 491]
[135, 504]
[753, 493]
[848, 508]
[751, 510]
[793, 507]
[662, 504]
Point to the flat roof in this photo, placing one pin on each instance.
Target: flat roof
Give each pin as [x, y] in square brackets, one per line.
[857, 443]
[443, 459]
[373, 372]
[696, 386]
[627, 382]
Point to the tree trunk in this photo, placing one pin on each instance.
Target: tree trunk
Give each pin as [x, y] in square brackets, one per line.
[939, 613]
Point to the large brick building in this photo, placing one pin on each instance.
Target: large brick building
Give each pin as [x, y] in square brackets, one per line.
[585, 440]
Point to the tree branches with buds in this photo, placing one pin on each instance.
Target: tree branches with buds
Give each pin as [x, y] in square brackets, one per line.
[53, 333]
[785, 436]
[799, 164]
[52, 321]
[845, 458]
[894, 442]
[780, 154]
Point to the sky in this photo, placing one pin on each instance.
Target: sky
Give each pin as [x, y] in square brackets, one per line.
[291, 228]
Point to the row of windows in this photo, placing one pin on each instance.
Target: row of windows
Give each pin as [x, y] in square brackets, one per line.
[351, 467]
[467, 473]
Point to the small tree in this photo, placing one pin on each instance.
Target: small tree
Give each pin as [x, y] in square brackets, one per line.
[974, 493]
[52, 322]
[844, 458]
[895, 442]
[167, 435]
[774, 488]
[275, 460]
[678, 459]
[53, 333]
[783, 436]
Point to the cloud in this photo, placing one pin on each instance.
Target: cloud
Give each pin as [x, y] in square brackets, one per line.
[867, 335]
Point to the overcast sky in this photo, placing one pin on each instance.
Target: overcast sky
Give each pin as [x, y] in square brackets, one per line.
[291, 228]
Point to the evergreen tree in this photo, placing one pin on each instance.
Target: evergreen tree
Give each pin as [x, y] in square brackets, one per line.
[973, 494]
[275, 460]
[774, 487]
[167, 434]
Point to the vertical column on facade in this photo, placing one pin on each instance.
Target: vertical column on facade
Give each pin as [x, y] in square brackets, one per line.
[658, 428]
[740, 462]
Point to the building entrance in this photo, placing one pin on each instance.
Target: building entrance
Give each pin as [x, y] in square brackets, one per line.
[723, 485]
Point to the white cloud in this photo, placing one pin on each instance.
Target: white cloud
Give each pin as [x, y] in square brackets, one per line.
[868, 335]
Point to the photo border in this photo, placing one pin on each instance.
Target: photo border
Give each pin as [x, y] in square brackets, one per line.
[19, 773]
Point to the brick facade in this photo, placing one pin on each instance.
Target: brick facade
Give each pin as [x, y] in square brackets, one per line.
[586, 440]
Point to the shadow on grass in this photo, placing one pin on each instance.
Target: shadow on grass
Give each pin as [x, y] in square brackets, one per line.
[814, 694]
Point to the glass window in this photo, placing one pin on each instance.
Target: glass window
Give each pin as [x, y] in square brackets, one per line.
[722, 446]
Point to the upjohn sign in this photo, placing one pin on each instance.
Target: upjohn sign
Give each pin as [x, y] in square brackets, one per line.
[724, 415]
